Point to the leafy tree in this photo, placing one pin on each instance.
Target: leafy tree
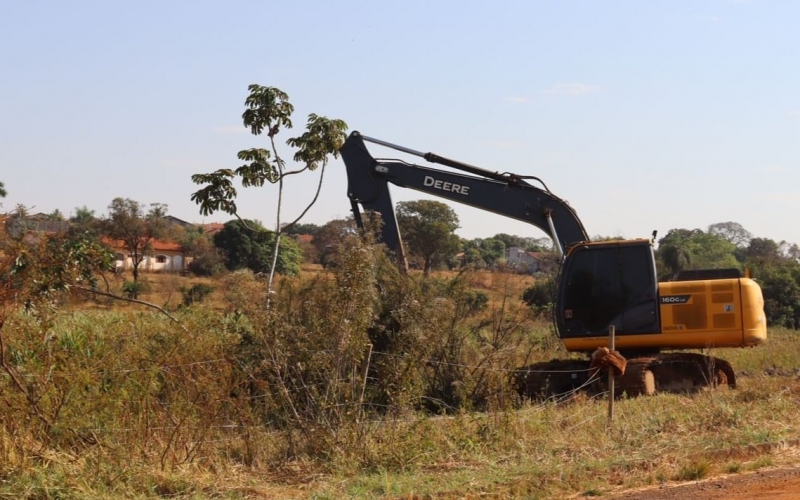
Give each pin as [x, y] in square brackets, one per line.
[84, 222]
[300, 228]
[247, 244]
[208, 261]
[482, 252]
[192, 239]
[18, 223]
[790, 251]
[529, 244]
[780, 284]
[712, 251]
[541, 295]
[675, 256]
[763, 250]
[243, 247]
[128, 222]
[268, 110]
[731, 231]
[82, 215]
[3, 192]
[512, 240]
[330, 237]
[55, 215]
[199, 250]
[540, 245]
[428, 227]
[36, 272]
[695, 249]
[492, 251]
[158, 210]
[776, 269]
[470, 255]
[299, 233]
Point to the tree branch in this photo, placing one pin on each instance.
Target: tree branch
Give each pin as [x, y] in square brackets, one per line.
[316, 195]
[292, 172]
[278, 162]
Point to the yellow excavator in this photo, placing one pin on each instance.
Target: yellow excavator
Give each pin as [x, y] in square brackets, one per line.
[600, 285]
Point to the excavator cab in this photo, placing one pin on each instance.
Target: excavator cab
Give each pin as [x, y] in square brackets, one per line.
[608, 283]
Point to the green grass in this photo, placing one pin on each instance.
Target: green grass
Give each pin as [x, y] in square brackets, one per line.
[693, 470]
[733, 468]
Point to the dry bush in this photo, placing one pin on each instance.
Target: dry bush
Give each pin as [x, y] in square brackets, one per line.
[366, 341]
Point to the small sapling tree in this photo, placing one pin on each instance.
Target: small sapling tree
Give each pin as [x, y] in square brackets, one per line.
[268, 111]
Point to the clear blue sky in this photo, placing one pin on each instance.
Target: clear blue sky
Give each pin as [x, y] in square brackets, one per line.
[644, 115]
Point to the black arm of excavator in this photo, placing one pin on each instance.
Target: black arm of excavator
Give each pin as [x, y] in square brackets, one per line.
[504, 194]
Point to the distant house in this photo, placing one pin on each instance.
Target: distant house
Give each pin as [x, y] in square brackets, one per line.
[174, 221]
[164, 256]
[530, 262]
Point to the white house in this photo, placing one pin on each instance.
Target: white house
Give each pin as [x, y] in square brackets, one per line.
[529, 262]
[163, 256]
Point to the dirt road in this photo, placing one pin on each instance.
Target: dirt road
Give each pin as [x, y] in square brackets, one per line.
[776, 484]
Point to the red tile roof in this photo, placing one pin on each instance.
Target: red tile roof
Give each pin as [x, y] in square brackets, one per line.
[213, 227]
[166, 246]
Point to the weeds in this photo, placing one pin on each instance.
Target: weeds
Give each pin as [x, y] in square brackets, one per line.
[733, 468]
[693, 471]
[196, 294]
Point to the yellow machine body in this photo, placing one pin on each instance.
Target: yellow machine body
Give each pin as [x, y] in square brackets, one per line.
[697, 315]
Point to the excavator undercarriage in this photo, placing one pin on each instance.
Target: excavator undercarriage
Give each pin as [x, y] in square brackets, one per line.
[674, 372]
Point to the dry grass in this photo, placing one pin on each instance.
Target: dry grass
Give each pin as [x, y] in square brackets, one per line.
[552, 452]
[140, 407]
[166, 289]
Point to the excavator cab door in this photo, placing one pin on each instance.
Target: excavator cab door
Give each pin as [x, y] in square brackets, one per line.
[608, 283]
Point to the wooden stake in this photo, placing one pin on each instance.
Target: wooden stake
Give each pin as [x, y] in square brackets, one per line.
[364, 372]
[611, 332]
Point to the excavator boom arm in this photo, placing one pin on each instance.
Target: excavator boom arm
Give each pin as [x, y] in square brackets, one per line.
[503, 194]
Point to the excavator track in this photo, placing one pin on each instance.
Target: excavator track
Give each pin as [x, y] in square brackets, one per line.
[675, 372]
[556, 379]
[681, 372]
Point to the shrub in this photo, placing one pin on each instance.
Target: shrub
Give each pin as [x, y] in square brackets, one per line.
[133, 289]
[249, 245]
[208, 263]
[541, 295]
[196, 293]
[475, 301]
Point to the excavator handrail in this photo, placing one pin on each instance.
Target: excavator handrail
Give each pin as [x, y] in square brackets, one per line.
[466, 167]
